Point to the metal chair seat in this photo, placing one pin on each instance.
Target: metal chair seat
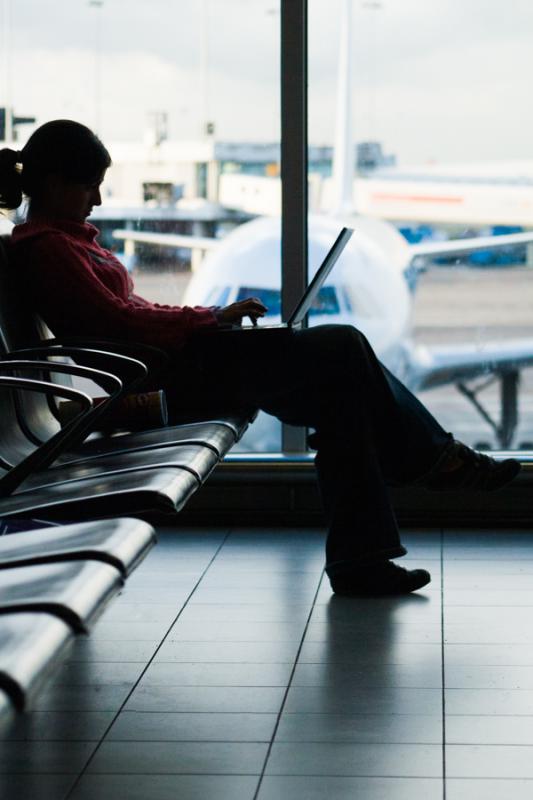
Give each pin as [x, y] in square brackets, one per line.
[75, 591]
[199, 460]
[220, 436]
[31, 644]
[137, 493]
[123, 543]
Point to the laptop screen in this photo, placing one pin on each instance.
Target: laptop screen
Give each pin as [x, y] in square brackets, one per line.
[298, 315]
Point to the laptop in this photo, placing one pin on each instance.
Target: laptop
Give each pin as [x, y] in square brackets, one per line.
[306, 301]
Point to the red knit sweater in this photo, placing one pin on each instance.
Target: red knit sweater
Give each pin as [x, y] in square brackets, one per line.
[80, 289]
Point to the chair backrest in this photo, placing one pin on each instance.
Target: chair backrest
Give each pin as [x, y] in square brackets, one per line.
[26, 418]
[19, 326]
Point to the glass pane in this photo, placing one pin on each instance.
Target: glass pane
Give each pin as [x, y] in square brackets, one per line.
[186, 97]
[423, 110]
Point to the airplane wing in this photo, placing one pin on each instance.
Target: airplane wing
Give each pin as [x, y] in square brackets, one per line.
[167, 239]
[435, 366]
[423, 250]
[459, 247]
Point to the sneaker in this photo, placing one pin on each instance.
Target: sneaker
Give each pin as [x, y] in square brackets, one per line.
[376, 580]
[465, 468]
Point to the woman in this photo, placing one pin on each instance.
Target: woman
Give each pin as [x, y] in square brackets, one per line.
[370, 431]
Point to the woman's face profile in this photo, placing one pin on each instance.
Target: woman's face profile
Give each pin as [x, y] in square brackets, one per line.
[72, 201]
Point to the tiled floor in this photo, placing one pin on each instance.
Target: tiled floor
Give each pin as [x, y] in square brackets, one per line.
[227, 670]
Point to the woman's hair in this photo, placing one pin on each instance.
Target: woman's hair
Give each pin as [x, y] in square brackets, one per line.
[61, 147]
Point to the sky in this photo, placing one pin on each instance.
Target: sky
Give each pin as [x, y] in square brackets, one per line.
[434, 81]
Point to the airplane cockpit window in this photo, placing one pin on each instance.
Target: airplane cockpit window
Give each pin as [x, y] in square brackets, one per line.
[326, 301]
[218, 296]
[271, 298]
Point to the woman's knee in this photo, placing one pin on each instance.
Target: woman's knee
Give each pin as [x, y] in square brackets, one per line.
[348, 339]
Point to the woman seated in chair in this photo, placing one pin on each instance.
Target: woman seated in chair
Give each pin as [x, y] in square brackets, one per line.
[369, 430]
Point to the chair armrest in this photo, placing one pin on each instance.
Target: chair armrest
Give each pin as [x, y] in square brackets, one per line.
[131, 371]
[152, 357]
[47, 452]
[109, 383]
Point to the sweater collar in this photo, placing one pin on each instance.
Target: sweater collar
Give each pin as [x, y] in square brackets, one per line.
[41, 224]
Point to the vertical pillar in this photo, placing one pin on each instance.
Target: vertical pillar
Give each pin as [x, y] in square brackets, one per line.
[294, 199]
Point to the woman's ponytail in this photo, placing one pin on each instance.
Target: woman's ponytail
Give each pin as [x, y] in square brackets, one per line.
[10, 178]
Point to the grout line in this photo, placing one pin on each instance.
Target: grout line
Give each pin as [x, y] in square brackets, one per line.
[443, 672]
[147, 665]
[286, 693]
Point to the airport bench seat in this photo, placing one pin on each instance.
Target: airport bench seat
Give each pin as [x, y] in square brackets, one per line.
[199, 460]
[75, 591]
[32, 644]
[55, 582]
[123, 543]
[218, 434]
[139, 493]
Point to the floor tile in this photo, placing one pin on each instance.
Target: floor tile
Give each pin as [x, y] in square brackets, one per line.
[489, 701]
[129, 631]
[165, 787]
[489, 677]
[207, 698]
[175, 674]
[494, 789]
[412, 608]
[334, 700]
[44, 757]
[226, 612]
[206, 727]
[488, 655]
[498, 616]
[398, 760]
[279, 581]
[476, 581]
[409, 633]
[230, 652]
[489, 729]
[97, 673]
[83, 698]
[87, 649]
[249, 595]
[423, 676]
[337, 788]
[378, 728]
[488, 633]
[489, 761]
[161, 758]
[35, 787]
[370, 653]
[123, 611]
[236, 631]
[60, 725]
[497, 597]
[483, 568]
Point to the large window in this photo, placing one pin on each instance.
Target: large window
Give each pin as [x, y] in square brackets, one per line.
[420, 134]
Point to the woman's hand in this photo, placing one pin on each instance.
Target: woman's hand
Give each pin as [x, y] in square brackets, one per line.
[234, 314]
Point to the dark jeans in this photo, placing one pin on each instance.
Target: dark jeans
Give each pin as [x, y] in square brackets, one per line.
[370, 430]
